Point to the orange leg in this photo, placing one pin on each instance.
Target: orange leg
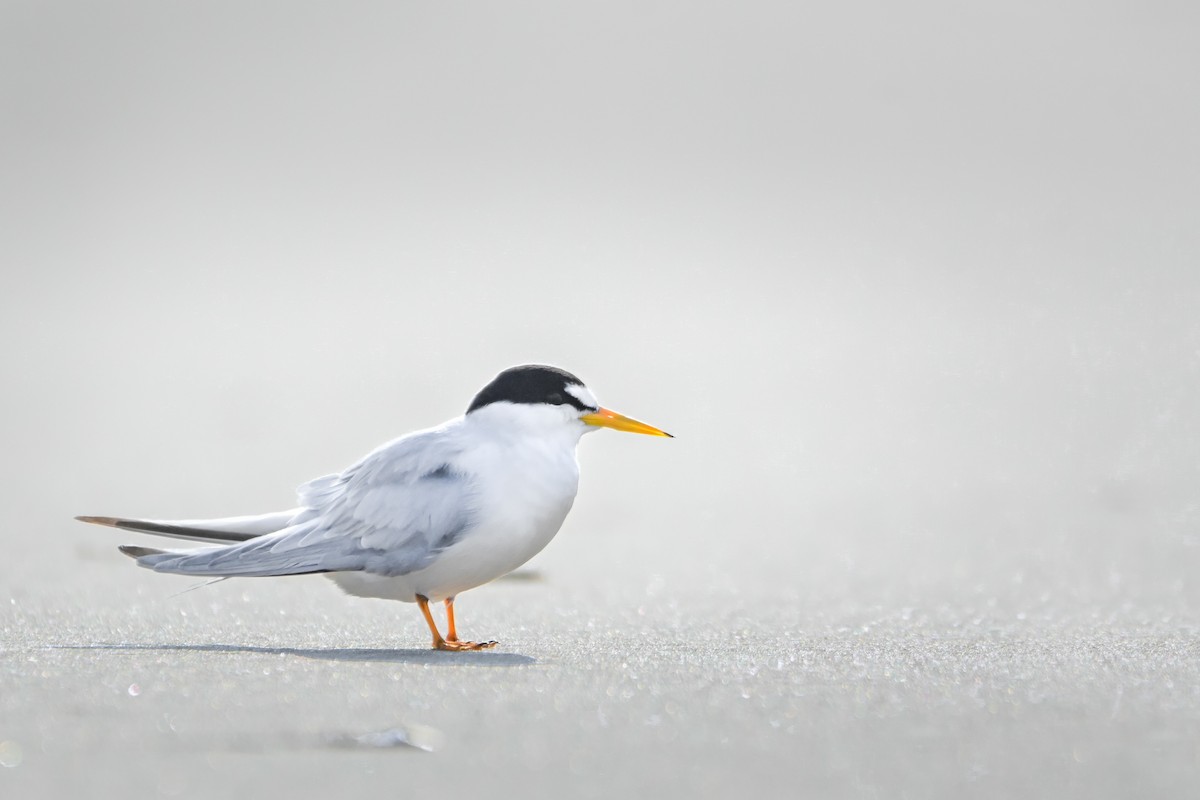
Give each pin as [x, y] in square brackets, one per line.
[451, 642]
[438, 642]
[452, 636]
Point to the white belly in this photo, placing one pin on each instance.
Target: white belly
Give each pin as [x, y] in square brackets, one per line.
[482, 556]
[518, 513]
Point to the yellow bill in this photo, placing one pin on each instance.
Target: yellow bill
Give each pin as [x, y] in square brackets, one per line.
[606, 418]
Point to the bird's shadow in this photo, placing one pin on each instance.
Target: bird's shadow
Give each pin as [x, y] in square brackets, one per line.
[438, 658]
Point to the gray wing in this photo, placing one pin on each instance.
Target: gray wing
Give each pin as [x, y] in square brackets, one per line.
[390, 514]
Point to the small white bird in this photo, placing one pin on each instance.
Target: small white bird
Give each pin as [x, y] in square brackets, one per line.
[424, 517]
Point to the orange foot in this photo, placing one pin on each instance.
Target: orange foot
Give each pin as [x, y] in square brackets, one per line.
[458, 644]
[451, 641]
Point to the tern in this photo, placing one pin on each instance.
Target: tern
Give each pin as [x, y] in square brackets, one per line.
[424, 517]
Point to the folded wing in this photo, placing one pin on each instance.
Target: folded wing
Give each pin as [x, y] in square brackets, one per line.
[390, 514]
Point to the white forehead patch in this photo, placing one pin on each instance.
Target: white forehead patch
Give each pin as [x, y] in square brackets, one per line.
[583, 395]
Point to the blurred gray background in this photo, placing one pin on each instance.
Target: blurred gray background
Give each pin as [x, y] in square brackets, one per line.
[915, 286]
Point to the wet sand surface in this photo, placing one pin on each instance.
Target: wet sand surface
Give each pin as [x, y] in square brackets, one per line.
[291, 688]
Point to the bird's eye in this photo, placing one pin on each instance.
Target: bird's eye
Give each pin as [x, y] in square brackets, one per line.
[555, 398]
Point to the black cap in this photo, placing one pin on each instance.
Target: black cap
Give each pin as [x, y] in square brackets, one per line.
[531, 383]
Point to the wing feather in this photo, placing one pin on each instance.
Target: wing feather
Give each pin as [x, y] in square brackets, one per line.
[389, 514]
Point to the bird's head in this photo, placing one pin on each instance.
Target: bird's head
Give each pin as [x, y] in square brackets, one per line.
[538, 396]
